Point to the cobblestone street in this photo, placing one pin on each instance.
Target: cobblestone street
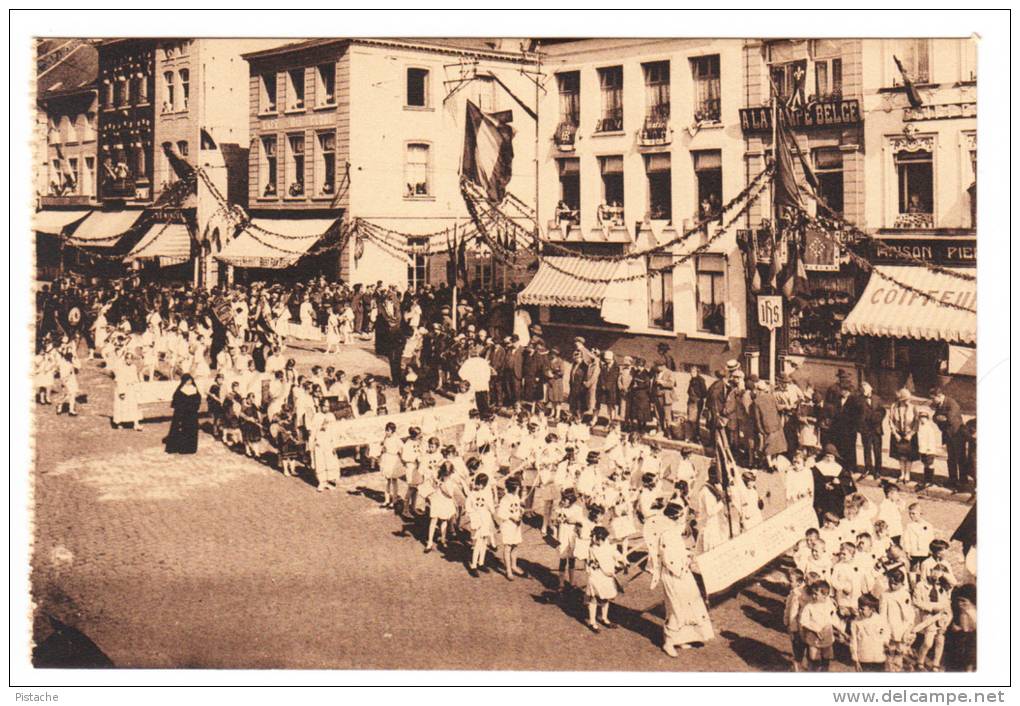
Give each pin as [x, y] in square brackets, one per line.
[217, 561]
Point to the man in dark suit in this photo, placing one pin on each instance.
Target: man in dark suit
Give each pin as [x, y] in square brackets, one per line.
[514, 371]
[696, 394]
[871, 415]
[950, 421]
[608, 387]
[843, 416]
[715, 401]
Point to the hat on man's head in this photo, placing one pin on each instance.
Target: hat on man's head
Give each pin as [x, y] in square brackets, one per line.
[662, 347]
[903, 395]
[762, 385]
[842, 374]
[935, 391]
[732, 365]
[579, 339]
[445, 310]
[593, 457]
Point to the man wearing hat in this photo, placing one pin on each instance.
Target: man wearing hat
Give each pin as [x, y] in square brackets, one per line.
[768, 424]
[697, 391]
[496, 356]
[665, 357]
[514, 371]
[608, 388]
[949, 419]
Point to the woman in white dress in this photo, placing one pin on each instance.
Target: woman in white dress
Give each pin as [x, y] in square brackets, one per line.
[306, 313]
[390, 465]
[320, 444]
[347, 324]
[712, 520]
[687, 622]
[333, 332]
[126, 409]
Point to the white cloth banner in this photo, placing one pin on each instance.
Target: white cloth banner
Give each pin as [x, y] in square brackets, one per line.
[741, 556]
[160, 391]
[367, 430]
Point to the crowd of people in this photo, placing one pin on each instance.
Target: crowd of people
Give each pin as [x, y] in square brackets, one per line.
[526, 452]
[880, 592]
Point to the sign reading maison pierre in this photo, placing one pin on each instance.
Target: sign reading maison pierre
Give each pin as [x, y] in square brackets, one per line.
[828, 113]
[945, 251]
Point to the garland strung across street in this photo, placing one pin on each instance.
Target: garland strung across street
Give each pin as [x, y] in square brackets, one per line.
[678, 260]
[698, 227]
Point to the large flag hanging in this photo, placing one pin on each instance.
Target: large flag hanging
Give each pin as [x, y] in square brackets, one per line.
[180, 165]
[912, 94]
[786, 193]
[488, 151]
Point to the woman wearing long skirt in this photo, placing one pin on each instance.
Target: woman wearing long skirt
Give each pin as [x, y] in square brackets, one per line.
[687, 621]
[183, 436]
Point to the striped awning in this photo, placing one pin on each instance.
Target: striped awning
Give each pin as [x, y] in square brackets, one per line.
[555, 283]
[890, 310]
[274, 243]
[53, 222]
[104, 229]
[170, 243]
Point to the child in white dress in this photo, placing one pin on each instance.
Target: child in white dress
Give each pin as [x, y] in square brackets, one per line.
[603, 560]
[509, 514]
[442, 507]
[478, 506]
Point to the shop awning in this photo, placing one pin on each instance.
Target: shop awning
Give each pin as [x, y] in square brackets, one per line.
[888, 309]
[274, 243]
[53, 222]
[613, 293]
[170, 243]
[104, 229]
[555, 285]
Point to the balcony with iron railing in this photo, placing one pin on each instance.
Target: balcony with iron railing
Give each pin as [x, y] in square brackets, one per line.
[656, 130]
[708, 111]
[611, 121]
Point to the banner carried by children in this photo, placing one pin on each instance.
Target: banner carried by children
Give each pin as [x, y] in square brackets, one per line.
[746, 553]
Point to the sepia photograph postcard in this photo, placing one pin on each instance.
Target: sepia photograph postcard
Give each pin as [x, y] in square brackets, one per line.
[504, 347]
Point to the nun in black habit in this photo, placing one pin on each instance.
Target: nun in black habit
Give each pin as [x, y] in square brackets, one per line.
[183, 436]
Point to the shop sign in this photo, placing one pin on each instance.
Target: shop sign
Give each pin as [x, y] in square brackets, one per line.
[825, 113]
[943, 111]
[946, 251]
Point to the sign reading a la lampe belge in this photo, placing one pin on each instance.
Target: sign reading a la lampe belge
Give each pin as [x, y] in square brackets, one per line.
[822, 113]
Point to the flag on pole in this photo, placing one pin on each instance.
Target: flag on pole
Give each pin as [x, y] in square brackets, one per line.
[786, 193]
[908, 85]
[488, 151]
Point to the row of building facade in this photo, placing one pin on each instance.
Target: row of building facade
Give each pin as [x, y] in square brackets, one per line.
[620, 144]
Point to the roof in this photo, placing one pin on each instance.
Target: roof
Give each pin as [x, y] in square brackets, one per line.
[889, 310]
[463, 46]
[74, 70]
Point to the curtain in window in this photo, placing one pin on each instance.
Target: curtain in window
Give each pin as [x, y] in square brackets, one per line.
[612, 93]
[570, 107]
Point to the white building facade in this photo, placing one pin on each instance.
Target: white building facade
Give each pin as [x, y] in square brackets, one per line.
[637, 139]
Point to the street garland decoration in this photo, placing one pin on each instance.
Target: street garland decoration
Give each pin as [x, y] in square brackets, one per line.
[679, 239]
[504, 255]
[678, 260]
[868, 266]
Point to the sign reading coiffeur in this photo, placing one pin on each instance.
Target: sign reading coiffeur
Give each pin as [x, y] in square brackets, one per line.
[829, 113]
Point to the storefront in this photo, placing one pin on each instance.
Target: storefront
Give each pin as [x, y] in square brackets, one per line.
[917, 328]
[268, 248]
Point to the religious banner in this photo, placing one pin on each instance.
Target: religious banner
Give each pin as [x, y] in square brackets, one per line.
[741, 556]
[821, 249]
